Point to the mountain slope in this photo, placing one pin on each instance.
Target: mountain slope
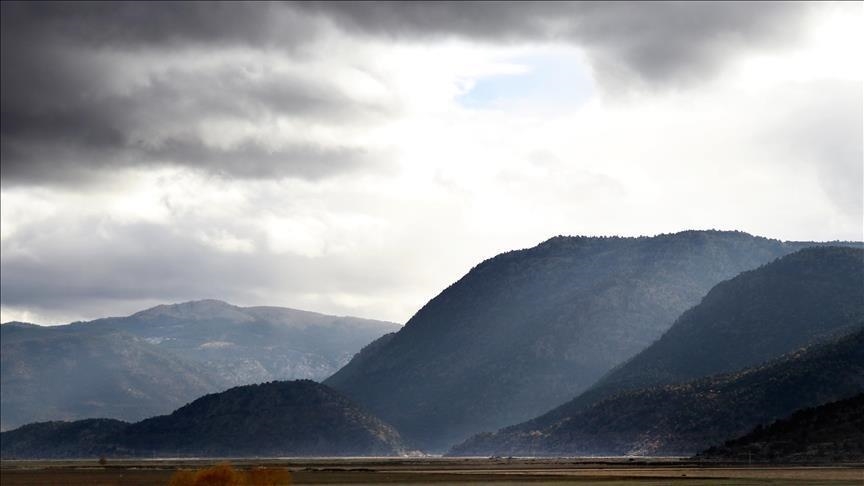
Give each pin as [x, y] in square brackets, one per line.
[55, 374]
[161, 358]
[57, 439]
[299, 418]
[685, 418]
[529, 329]
[830, 433]
[760, 314]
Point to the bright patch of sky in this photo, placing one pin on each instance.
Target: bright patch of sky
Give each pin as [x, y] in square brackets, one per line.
[557, 80]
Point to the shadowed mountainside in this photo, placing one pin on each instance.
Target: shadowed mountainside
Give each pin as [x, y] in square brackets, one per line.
[298, 418]
[528, 329]
[802, 298]
[830, 433]
[684, 418]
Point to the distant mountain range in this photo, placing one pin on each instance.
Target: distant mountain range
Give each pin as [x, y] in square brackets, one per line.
[156, 360]
[63, 374]
[830, 433]
[591, 346]
[298, 418]
[651, 405]
[529, 329]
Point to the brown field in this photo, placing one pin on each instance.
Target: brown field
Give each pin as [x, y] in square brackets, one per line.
[438, 471]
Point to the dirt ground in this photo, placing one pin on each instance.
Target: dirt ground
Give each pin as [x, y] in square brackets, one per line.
[440, 471]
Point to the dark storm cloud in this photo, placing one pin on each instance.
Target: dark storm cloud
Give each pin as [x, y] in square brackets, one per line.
[654, 36]
[57, 163]
[253, 160]
[64, 125]
[71, 110]
[654, 41]
[143, 24]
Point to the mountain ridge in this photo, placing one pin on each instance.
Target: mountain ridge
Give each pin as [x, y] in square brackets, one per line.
[812, 294]
[296, 418]
[829, 433]
[204, 346]
[528, 329]
[681, 419]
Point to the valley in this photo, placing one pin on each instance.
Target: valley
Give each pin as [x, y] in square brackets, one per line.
[444, 471]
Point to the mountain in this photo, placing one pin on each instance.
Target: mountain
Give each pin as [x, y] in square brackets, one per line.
[156, 360]
[802, 298]
[684, 418]
[296, 418]
[82, 438]
[252, 344]
[527, 330]
[830, 433]
[60, 374]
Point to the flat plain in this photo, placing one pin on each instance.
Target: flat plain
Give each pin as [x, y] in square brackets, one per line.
[441, 471]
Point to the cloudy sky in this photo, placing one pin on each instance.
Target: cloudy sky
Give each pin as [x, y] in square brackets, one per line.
[358, 158]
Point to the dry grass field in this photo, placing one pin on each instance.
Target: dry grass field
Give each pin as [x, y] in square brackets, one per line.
[438, 471]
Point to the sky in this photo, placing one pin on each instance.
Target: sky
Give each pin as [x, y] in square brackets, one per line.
[357, 158]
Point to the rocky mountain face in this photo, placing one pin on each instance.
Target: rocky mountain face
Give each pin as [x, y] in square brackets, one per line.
[529, 329]
[297, 418]
[684, 418]
[161, 358]
[810, 295]
[830, 433]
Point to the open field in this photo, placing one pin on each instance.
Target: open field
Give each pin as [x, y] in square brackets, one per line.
[440, 471]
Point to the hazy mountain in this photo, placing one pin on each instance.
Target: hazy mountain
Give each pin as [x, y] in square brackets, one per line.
[161, 358]
[529, 329]
[58, 373]
[830, 433]
[809, 295]
[252, 344]
[685, 418]
[298, 418]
